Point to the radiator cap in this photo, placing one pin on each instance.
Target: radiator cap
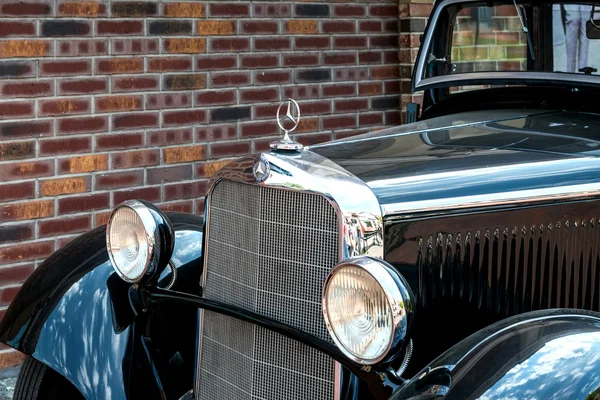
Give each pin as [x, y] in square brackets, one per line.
[287, 122]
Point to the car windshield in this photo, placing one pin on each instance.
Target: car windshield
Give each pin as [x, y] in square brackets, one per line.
[476, 37]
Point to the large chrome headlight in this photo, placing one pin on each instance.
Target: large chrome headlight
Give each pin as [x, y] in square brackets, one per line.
[368, 308]
[139, 240]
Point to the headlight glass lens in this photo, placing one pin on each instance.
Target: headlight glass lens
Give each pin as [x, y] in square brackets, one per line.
[128, 243]
[359, 314]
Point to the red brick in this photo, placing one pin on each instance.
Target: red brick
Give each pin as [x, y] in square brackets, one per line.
[79, 203]
[259, 27]
[136, 83]
[25, 48]
[272, 77]
[180, 206]
[82, 125]
[114, 141]
[16, 109]
[24, 170]
[215, 132]
[370, 119]
[118, 103]
[57, 187]
[350, 74]
[337, 26]
[134, 46]
[119, 65]
[135, 159]
[51, 147]
[22, 8]
[312, 42]
[272, 43]
[187, 117]
[349, 10]
[369, 57]
[24, 252]
[250, 95]
[182, 154]
[230, 149]
[10, 28]
[312, 139]
[215, 97]
[259, 61]
[151, 194]
[339, 58]
[349, 42]
[221, 9]
[30, 129]
[385, 72]
[25, 210]
[369, 88]
[270, 110]
[351, 105]
[315, 107]
[17, 191]
[76, 86]
[168, 100]
[36, 88]
[81, 164]
[64, 225]
[391, 87]
[272, 10]
[220, 79]
[87, 9]
[393, 118]
[78, 48]
[250, 129]
[119, 180]
[370, 26]
[61, 106]
[135, 120]
[67, 67]
[187, 190]
[162, 64]
[339, 90]
[173, 173]
[383, 10]
[16, 273]
[229, 45]
[212, 62]
[339, 121]
[302, 59]
[299, 92]
[119, 28]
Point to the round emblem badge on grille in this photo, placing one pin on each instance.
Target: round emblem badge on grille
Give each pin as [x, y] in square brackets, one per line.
[261, 169]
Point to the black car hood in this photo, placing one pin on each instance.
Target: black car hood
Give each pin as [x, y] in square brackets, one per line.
[478, 153]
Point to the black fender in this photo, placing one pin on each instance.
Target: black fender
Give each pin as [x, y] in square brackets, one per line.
[74, 315]
[542, 354]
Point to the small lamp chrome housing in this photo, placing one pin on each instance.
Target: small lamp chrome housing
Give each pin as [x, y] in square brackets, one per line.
[368, 307]
[139, 240]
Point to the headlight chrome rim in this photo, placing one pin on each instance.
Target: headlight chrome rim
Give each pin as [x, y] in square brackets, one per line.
[153, 239]
[399, 300]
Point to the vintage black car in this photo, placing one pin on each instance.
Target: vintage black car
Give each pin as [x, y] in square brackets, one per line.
[456, 256]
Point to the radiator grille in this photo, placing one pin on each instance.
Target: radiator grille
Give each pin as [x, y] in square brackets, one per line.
[513, 269]
[268, 251]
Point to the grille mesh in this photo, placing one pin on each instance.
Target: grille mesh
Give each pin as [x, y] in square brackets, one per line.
[268, 251]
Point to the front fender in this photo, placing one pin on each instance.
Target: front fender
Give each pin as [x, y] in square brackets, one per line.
[543, 354]
[73, 313]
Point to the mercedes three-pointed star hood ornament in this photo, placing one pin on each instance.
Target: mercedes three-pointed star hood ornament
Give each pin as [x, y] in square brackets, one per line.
[287, 122]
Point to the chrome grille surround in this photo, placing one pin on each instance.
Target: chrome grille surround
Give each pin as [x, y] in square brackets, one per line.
[307, 200]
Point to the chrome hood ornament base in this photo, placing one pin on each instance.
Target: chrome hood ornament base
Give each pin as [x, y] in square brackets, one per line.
[291, 117]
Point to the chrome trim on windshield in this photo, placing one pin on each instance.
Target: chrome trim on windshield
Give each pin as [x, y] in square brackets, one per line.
[420, 83]
[520, 197]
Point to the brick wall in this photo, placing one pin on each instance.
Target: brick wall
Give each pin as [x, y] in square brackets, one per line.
[106, 101]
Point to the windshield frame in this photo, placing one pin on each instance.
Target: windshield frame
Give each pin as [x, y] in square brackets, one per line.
[492, 77]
